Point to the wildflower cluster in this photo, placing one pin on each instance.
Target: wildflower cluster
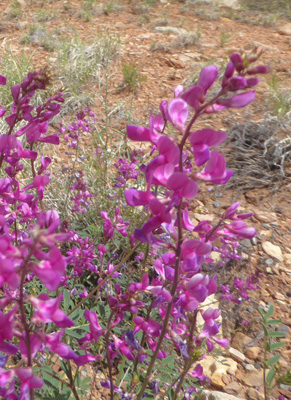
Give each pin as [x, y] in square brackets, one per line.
[147, 318]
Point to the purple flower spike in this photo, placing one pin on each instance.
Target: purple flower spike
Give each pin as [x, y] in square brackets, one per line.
[193, 96]
[207, 77]
[138, 133]
[201, 141]
[238, 101]
[2, 80]
[178, 113]
[215, 171]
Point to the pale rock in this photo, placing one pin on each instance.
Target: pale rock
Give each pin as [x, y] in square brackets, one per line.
[265, 217]
[253, 352]
[217, 371]
[214, 395]
[266, 233]
[234, 4]
[279, 296]
[287, 258]
[240, 340]
[215, 255]
[171, 29]
[22, 3]
[233, 388]
[249, 367]
[253, 378]
[285, 29]
[254, 394]
[203, 217]
[273, 251]
[237, 355]
[283, 363]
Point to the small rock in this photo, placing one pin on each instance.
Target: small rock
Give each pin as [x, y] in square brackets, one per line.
[254, 394]
[257, 366]
[254, 241]
[171, 29]
[285, 29]
[203, 217]
[240, 340]
[246, 243]
[233, 388]
[287, 258]
[273, 251]
[279, 296]
[253, 378]
[283, 328]
[269, 270]
[237, 355]
[216, 204]
[283, 363]
[215, 395]
[249, 367]
[253, 352]
[285, 387]
[265, 217]
[288, 293]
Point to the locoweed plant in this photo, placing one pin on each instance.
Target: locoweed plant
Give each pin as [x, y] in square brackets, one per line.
[68, 299]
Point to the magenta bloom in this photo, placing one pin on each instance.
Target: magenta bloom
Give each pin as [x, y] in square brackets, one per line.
[47, 310]
[215, 171]
[50, 271]
[201, 141]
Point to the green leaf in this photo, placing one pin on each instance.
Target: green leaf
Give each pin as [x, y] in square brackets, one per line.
[270, 311]
[66, 299]
[277, 334]
[273, 322]
[271, 375]
[262, 313]
[276, 346]
[273, 360]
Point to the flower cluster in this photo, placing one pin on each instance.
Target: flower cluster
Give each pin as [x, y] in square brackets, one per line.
[146, 318]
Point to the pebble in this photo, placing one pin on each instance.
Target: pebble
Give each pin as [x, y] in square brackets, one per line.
[283, 328]
[249, 367]
[273, 251]
[269, 262]
[288, 293]
[237, 355]
[253, 352]
[246, 243]
[216, 204]
[285, 387]
[269, 271]
[254, 241]
[285, 29]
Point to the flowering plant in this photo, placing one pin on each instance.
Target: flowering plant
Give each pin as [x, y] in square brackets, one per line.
[143, 320]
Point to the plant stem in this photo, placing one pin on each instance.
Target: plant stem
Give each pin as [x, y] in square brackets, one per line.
[72, 383]
[188, 362]
[108, 354]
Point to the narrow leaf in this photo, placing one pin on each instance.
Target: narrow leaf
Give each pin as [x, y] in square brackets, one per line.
[273, 360]
[277, 334]
[273, 322]
[271, 375]
[276, 346]
[270, 311]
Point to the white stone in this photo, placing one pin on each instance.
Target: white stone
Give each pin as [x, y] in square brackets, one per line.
[285, 29]
[215, 395]
[273, 251]
[237, 355]
[171, 29]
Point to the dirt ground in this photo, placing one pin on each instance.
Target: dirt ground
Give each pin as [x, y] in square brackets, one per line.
[208, 34]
